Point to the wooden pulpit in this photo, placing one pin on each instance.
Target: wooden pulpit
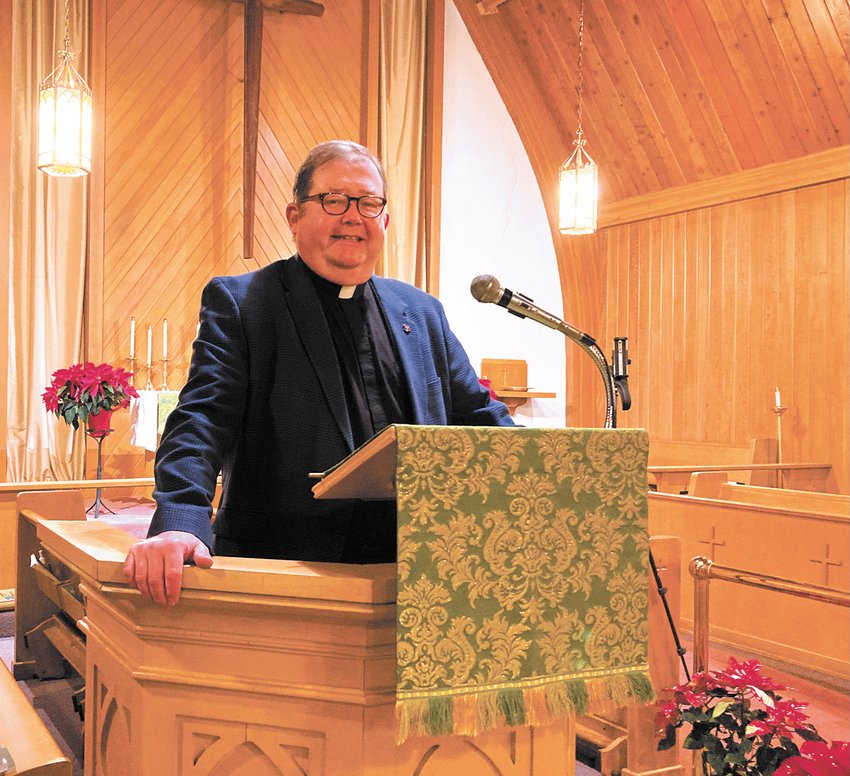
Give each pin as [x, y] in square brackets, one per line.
[263, 667]
[287, 667]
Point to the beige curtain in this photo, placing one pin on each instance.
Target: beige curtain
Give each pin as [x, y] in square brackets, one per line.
[47, 254]
[401, 135]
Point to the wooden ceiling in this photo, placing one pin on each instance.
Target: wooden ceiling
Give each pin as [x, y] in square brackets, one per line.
[675, 91]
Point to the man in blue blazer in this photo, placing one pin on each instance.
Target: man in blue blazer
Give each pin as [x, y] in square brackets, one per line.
[294, 366]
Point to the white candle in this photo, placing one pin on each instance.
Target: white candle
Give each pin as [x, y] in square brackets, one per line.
[778, 398]
[150, 342]
[165, 339]
[132, 337]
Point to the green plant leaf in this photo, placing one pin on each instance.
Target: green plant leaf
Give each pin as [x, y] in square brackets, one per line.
[809, 733]
[720, 708]
[669, 739]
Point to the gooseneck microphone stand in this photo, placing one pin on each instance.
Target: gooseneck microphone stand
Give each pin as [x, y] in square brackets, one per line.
[485, 288]
[615, 378]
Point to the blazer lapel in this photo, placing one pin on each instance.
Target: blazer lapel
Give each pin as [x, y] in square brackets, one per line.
[409, 345]
[306, 311]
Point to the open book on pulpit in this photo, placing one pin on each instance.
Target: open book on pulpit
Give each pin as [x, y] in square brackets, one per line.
[522, 559]
[368, 473]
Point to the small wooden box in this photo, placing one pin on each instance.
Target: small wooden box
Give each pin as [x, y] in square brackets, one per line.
[505, 374]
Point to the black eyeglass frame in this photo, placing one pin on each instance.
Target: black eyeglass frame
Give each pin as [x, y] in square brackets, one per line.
[350, 199]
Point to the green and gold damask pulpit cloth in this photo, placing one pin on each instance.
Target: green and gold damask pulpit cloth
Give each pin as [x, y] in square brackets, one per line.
[522, 574]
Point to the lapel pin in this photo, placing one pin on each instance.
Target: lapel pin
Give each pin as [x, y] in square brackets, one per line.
[405, 328]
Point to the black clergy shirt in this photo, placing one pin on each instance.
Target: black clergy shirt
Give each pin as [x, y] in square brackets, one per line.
[376, 396]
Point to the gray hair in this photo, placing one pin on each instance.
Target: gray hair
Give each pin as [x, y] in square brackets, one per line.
[329, 152]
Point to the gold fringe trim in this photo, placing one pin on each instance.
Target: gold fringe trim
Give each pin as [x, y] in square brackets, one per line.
[474, 712]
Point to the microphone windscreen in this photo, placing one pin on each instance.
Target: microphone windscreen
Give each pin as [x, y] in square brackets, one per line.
[486, 288]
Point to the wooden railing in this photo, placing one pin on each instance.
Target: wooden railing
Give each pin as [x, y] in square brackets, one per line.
[703, 571]
[25, 487]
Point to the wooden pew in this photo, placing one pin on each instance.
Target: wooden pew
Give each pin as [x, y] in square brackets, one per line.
[717, 485]
[24, 735]
[694, 456]
[800, 536]
[802, 476]
[35, 653]
[781, 498]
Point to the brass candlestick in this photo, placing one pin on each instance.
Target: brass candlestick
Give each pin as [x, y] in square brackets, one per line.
[164, 386]
[149, 384]
[131, 362]
[779, 412]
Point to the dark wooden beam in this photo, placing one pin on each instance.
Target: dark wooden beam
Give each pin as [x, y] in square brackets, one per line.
[305, 7]
[253, 54]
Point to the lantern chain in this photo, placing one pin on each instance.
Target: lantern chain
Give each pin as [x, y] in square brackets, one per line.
[580, 61]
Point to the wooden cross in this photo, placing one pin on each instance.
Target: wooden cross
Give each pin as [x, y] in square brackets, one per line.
[251, 100]
[826, 564]
[712, 542]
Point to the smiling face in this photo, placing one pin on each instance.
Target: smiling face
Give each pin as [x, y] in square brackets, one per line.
[343, 249]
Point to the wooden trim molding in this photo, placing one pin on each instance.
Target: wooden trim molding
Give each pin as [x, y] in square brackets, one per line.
[93, 304]
[433, 161]
[810, 170]
[369, 73]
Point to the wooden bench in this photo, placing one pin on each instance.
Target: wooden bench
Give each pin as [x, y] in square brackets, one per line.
[35, 651]
[794, 535]
[799, 476]
[717, 485]
[24, 735]
[686, 457]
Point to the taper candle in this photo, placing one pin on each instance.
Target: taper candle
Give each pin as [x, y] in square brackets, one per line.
[150, 343]
[165, 338]
[778, 398]
[132, 337]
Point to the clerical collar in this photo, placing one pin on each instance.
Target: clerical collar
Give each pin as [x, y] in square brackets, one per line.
[328, 289]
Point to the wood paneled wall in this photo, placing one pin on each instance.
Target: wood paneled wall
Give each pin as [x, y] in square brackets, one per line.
[723, 304]
[675, 94]
[170, 211]
[5, 189]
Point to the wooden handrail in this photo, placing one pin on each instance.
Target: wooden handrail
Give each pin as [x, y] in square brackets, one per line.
[704, 570]
[738, 467]
[125, 482]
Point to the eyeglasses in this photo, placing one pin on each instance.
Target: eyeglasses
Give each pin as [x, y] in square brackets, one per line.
[335, 204]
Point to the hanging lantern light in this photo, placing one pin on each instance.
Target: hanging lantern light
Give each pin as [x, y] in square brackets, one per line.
[579, 175]
[64, 118]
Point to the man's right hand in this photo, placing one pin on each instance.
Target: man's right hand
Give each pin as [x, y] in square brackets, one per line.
[155, 566]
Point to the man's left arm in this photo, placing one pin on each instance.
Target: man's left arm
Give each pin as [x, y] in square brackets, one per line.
[471, 403]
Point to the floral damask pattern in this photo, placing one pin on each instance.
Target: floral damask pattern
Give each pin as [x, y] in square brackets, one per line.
[522, 557]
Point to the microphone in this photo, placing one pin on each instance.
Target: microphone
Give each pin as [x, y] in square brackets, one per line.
[486, 288]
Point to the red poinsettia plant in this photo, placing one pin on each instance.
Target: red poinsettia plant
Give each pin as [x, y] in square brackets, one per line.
[739, 722]
[818, 759]
[87, 389]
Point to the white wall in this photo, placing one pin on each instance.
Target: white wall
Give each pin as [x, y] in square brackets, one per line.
[493, 222]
